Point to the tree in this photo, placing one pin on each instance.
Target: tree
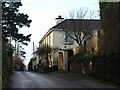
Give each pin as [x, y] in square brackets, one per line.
[7, 51]
[81, 28]
[19, 51]
[18, 64]
[110, 31]
[10, 49]
[30, 65]
[12, 20]
[43, 50]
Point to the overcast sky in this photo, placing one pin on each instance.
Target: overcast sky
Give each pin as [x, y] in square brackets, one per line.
[43, 14]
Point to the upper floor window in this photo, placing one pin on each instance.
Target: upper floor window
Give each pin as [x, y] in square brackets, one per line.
[49, 40]
[68, 40]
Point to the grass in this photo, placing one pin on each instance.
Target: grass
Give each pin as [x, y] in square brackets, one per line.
[71, 74]
[81, 76]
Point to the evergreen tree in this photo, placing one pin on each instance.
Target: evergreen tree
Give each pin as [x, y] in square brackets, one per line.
[12, 21]
[110, 29]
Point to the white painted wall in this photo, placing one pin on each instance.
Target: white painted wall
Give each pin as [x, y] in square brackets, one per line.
[56, 40]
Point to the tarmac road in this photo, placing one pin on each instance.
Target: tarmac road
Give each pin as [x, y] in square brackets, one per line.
[27, 79]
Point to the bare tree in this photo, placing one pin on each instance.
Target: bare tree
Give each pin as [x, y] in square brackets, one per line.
[81, 28]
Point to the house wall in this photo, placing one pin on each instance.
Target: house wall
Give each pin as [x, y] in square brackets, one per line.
[59, 42]
[51, 39]
[56, 40]
[37, 61]
[33, 64]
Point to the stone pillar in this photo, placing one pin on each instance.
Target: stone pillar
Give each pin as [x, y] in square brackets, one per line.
[65, 60]
[60, 61]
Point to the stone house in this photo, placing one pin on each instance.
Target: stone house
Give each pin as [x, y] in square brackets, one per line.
[64, 46]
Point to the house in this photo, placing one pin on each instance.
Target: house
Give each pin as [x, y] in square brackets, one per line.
[62, 44]
[35, 62]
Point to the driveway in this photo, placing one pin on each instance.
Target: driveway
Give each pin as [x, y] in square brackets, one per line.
[22, 79]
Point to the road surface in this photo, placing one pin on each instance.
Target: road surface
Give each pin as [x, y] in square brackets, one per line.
[22, 79]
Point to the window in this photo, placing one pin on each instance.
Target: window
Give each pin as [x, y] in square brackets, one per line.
[68, 39]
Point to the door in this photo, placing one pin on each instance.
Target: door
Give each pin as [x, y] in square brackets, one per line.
[61, 61]
[70, 53]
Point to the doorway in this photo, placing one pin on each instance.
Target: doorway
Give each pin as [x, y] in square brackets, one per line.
[61, 64]
[70, 53]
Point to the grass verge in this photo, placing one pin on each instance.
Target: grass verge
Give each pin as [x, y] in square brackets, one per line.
[77, 75]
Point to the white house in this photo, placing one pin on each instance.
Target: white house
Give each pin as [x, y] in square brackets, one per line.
[63, 45]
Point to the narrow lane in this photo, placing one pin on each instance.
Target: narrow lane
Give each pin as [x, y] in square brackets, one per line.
[23, 79]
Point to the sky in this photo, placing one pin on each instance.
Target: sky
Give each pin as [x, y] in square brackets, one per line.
[43, 14]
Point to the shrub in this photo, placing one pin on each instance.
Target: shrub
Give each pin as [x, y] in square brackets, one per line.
[107, 67]
[83, 60]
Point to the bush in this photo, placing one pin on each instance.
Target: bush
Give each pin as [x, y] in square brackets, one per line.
[45, 69]
[75, 58]
[83, 60]
[6, 67]
[107, 67]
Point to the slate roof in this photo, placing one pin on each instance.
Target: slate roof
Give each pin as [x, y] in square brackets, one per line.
[78, 24]
[75, 24]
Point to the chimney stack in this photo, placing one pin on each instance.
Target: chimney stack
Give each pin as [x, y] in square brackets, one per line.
[59, 19]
